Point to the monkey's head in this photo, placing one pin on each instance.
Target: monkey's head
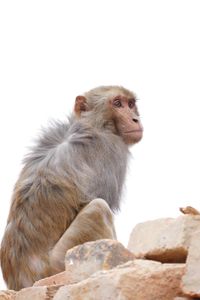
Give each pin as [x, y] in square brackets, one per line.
[111, 107]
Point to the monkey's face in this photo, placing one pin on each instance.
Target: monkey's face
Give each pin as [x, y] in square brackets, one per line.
[126, 118]
[114, 104]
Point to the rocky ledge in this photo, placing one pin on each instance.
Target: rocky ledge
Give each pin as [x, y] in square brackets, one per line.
[162, 262]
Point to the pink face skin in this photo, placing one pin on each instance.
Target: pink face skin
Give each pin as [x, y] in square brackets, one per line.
[127, 119]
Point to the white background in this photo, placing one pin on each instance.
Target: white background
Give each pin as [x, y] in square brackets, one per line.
[51, 51]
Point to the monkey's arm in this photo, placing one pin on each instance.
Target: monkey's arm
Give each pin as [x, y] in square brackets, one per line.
[95, 221]
[97, 162]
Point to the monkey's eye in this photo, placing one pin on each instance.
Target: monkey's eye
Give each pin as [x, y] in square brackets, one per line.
[131, 103]
[117, 103]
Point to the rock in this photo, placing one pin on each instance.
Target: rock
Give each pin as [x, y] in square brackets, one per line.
[164, 240]
[189, 210]
[7, 295]
[182, 298]
[91, 257]
[191, 279]
[86, 259]
[37, 293]
[138, 279]
[58, 279]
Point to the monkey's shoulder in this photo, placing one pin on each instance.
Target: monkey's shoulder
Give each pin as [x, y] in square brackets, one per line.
[63, 141]
[83, 134]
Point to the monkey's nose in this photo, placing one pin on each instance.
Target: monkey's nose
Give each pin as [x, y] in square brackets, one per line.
[135, 120]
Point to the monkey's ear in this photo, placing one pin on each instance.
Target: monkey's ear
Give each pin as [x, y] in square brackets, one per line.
[80, 105]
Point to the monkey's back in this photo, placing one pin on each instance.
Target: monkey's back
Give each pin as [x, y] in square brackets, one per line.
[70, 165]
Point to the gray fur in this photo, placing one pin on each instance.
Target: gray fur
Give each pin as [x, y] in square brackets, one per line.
[94, 160]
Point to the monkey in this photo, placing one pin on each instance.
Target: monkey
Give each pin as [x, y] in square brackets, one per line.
[70, 185]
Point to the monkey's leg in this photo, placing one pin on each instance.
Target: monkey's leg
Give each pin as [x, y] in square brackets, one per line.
[95, 221]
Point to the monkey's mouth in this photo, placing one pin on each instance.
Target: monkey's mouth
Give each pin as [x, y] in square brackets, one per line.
[131, 131]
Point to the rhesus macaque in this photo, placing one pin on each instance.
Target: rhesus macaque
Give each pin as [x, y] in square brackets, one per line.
[70, 185]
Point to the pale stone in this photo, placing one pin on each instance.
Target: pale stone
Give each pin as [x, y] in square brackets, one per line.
[60, 278]
[88, 258]
[164, 240]
[91, 257]
[37, 293]
[191, 279]
[135, 280]
[7, 295]
[183, 298]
